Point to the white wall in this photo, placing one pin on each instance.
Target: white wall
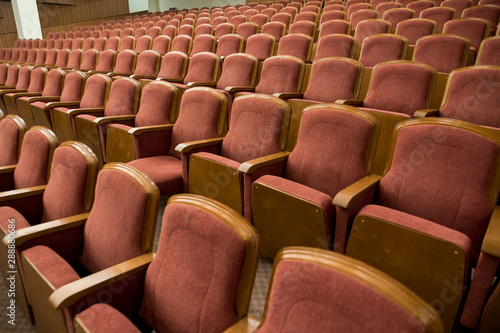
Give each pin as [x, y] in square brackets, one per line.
[27, 19]
[180, 4]
[137, 5]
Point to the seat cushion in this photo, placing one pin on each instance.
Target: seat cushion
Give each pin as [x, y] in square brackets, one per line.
[418, 224]
[219, 159]
[104, 318]
[165, 171]
[8, 214]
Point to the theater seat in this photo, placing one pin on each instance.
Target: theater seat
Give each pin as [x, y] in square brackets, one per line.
[489, 52]
[12, 130]
[293, 207]
[36, 85]
[22, 84]
[119, 227]
[313, 290]
[207, 254]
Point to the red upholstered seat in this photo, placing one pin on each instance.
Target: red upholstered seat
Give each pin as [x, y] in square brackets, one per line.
[320, 291]
[381, 48]
[458, 5]
[23, 78]
[297, 45]
[201, 106]
[275, 80]
[294, 207]
[89, 60]
[439, 14]
[36, 84]
[454, 219]
[361, 15]
[396, 15]
[334, 27]
[12, 129]
[143, 43]
[173, 67]
[261, 46]
[182, 43]
[224, 29]
[369, 28]
[203, 43]
[414, 29]
[488, 12]
[229, 44]
[203, 29]
[474, 29]
[489, 52]
[381, 8]
[208, 255]
[119, 227]
[336, 45]
[161, 44]
[443, 52]
[420, 5]
[126, 61]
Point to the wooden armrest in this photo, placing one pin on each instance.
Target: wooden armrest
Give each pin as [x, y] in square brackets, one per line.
[240, 89]
[426, 113]
[27, 94]
[200, 84]
[118, 74]
[186, 147]
[43, 99]
[7, 87]
[68, 294]
[146, 129]
[103, 120]
[246, 325]
[351, 193]
[22, 193]
[138, 77]
[353, 102]
[76, 112]
[491, 241]
[10, 91]
[257, 163]
[8, 168]
[59, 104]
[47, 228]
[170, 80]
[286, 96]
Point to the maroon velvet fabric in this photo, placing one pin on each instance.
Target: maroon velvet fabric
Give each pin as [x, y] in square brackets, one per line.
[64, 195]
[303, 27]
[439, 14]
[164, 171]
[31, 170]
[127, 43]
[40, 56]
[161, 44]
[332, 27]
[182, 44]
[399, 87]
[113, 43]
[172, 65]
[361, 15]
[381, 48]
[202, 67]
[8, 213]
[474, 96]
[125, 62]
[122, 97]
[444, 53]
[254, 130]
[95, 91]
[73, 84]
[100, 44]
[203, 43]
[156, 100]
[490, 52]
[297, 45]
[77, 43]
[414, 29]
[368, 28]
[75, 58]
[37, 80]
[260, 46]
[237, 70]
[113, 231]
[143, 43]
[9, 141]
[471, 28]
[53, 83]
[147, 63]
[104, 318]
[335, 45]
[50, 59]
[62, 57]
[487, 12]
[451, 195]
[229, 44]
[333, 15]
[275, 29]
[396, 15]
[12, 74]
[192, 282]
[106, 61]
[306, 297]
[247, 29]
[224, 29]
[198, 117]
[332, 79]
[279, 74]
[89, 60]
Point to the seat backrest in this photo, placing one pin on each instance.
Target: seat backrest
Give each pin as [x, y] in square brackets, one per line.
[472, 28]
[259, 126]
[74, 84]
[139, 32]
[458, 5]
[322, 291]
[333, 15]
[203, 29]
[12, 129]
[158, 103]
[37, 80]
[12, 75]
[396, 15]
[439, 14]
[127, 43]
[123, 97]
[336, 45]
[261, 45]
[448, 150]
[224, 29]
[488, 12]
[334, 27]
[202, 115]
[334, 78]
[203, 67]
[58, 43]
[161, 44]
[401, 86]
[67, 43]
[361, 15]
[70, 189]
[75, 59]
[247, 29]
[356, 8]
[40, 56]
[201, 241]
[381, 48]
[238, 70]
[297, 45]
[89, 60]
[148, 63]
[182, 43]
[473, 94]
[229, 44]
[371, 27]
[415, 28]
[106, 61]
[122, 221]
[204, 43]
[281, 74]
[489, 52]
[35, 158]
[420, 5]
[32, 56]
[88, 43]
[54, 83]
[126, 61]
[96, 91]
[24, 77]
[442, 51]
[174, 65]
[143, 43]
[154, 32]
[260, 19]
[385, 6]
[275, 29]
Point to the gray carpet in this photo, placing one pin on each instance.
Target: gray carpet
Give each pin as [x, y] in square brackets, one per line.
[256, 305]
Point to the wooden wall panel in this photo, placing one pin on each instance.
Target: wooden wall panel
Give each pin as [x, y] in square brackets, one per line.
[8, 30]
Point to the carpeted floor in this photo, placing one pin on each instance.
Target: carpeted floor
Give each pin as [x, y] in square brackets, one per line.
[256, 304]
